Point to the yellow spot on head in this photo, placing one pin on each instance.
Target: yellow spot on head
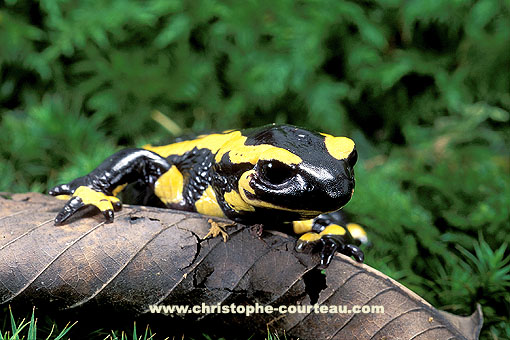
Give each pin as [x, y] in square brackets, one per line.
[244, 182]
[169, 186]
[208, 205]
[236, 202]
[338, 147]
[282, 155]
[239, 152]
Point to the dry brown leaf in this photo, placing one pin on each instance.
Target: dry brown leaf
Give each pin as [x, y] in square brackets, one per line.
[151, 256]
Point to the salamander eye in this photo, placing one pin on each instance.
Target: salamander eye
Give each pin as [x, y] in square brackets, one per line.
[275, 172]
[353, 158]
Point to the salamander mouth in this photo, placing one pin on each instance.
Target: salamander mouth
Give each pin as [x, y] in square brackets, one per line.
[293, 194]
[252, 188]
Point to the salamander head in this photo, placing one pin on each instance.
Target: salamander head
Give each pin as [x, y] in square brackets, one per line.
[284, 169]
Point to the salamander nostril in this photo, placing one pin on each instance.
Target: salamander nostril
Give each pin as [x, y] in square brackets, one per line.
[275, 172]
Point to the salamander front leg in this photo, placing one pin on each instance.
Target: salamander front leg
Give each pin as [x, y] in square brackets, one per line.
[83, 196]
[99, 187]
[323, 234]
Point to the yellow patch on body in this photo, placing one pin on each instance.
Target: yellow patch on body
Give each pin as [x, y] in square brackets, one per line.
[309, 237]
[312, 237]
[306, 239]
[301, 227]
[96, 198]
[338, 147]
[207, 204]
[169, 186]
[211, 142]
[357, 232]
[232, 142]
[333, 229]
[219, 144]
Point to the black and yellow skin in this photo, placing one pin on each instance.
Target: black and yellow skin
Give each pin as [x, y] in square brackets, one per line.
[333, 233]
[275, 174]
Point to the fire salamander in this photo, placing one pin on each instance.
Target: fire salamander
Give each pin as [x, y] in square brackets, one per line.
[274, 175]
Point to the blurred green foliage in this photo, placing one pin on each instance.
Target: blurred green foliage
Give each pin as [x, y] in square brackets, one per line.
[422, 86]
